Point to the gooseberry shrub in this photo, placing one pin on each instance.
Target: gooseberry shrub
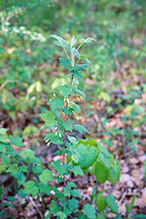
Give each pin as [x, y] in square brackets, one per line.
[79, 156]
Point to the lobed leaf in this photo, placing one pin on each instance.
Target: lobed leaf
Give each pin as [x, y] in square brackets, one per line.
[56, 103]
[90, 211]
[46, 176]
[13, 168]
[66, 63]
[49, 118]
[17, 141]
[76, 193]
[23, 168]
[30, 188]
[67, 127]
[27, 153]
[65, 89]
[73, 204]
[78, 171]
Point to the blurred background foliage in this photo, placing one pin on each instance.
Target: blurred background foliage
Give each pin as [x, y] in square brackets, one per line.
[29, 66]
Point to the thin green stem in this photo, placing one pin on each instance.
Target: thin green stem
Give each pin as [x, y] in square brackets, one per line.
[79, 46]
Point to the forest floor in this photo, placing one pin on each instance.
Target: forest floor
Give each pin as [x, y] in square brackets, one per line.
[133, 170]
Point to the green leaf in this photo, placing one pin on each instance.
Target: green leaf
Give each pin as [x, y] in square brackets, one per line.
[23, 168]
[61, 168]
[46, 189]
[87, 40]
[46, 176]
[2, 139]
[75, 193]
[17, 141]
[3, 131]
[8, 204]
[54, 208]
[100, 172]
[65, 89]
[100, 216]
[81, 67]
[67, 110]
[101, 201]
[67, 127]
[37, 169]
[119, 216]
[64, 202]
[79, 92]
[74, 106]
[2, 212]
[13, 168]
[55, 139]
[90, 211]
[104, 160]
[112, 175]
[78, 171]
[5, 159]
[76, 73]
[73, 41]
[27, 153]
[105, 151]
[127, 209]
[73, 204]
[3, 147]
[88, 155]
[66, 210]
[49, 118]
[92, 196]
[71, 185]
[114, 171]
[80, 128]
[20, 177]
[61, 215]
[111, 202]
[30, 188]
[88, 142]
[73, 140]
[56, 103]
[141, 216]
[75, 51]
[61, 41]
[67, 192]
[66, 63]
[1, 190]
[132, 202]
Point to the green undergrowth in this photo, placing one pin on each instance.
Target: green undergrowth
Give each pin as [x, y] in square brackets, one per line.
[80, 156]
